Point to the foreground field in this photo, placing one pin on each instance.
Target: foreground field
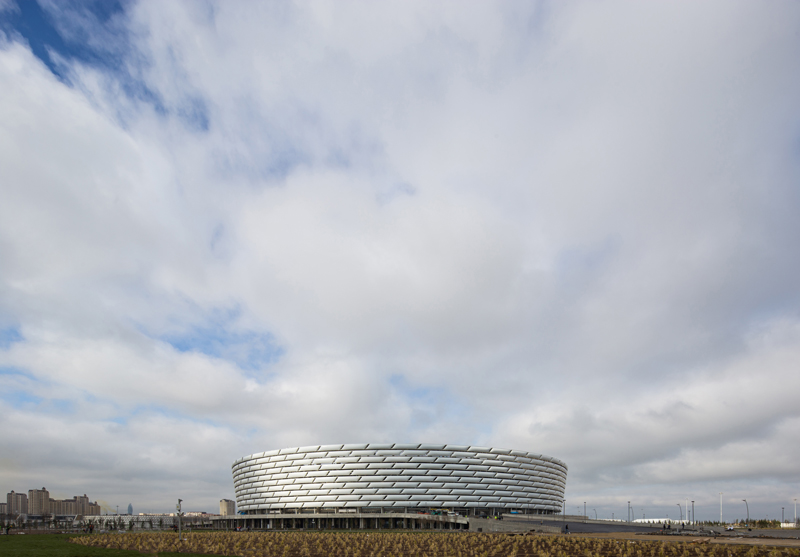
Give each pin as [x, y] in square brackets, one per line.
[55, 545]
[327, 544]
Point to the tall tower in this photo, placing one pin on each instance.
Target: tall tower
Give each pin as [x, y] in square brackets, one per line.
[38, 501]
[17, 503]
[82, 504]
[227, 507]
[130, 508]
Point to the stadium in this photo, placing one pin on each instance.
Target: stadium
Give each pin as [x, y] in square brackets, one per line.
[398, 478]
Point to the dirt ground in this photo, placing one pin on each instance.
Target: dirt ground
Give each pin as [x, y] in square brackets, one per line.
[724, 540]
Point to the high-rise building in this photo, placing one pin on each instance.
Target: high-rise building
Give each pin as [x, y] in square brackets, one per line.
[81, 504]
[38, 501]
[17, 503]
[130, 508]
[3, 509]
[227, 507]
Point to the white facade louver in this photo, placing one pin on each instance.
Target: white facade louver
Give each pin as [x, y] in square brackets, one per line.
[400, 476]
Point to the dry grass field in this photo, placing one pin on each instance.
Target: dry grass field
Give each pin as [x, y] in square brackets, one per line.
[376, 544]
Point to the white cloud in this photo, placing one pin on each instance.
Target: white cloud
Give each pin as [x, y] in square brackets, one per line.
[568, 229]
[8, 6]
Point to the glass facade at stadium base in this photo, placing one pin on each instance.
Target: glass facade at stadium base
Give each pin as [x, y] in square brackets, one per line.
[398, 478]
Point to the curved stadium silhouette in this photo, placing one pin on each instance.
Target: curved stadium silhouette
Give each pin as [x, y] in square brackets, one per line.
[399, 478]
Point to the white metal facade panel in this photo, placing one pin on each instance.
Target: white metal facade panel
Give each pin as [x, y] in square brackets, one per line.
[400, 475]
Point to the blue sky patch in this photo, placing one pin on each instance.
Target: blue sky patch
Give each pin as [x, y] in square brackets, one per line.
[119, 420]
[21, 399]
[8, 337]
[40, 29]
[17, 389]
[93, 32]
[194, 114]
[249, 350]
[432, 404]
[8, 370]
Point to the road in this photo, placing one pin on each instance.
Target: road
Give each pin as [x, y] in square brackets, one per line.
[593, 527]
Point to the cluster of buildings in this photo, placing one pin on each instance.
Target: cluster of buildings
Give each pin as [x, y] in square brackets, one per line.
[39, 503]
[354, 485]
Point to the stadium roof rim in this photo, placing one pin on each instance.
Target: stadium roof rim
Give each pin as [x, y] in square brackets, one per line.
[400, 446]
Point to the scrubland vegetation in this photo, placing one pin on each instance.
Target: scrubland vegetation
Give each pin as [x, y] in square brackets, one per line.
[328, 544]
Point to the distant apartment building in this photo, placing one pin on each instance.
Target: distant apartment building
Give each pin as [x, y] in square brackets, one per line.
[82, 504]
[38, 501]
[17, 503]
[227, 507]
[63, 507]
[3, 508]
[85, 507]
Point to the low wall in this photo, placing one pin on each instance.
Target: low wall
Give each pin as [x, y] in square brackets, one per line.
[511, 526]
[341, 521]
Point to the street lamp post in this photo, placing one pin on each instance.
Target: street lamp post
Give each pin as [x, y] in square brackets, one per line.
[629, 512]
[720, 507]
[584, 509]
[748, 512]
[595, 513]
[179, 513]
[694, 516]
[680, 514]
[782, 521]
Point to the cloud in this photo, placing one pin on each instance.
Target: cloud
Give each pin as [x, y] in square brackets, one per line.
[567, 229]
[8, 6]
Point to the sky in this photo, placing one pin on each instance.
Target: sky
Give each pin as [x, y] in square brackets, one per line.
[569, 228]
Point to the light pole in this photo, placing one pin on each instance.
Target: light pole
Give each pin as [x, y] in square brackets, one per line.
[595, 513]
[720, 507]
[179, 513]
[694, 516]
[795, 512]
[584, 508]
[748, 511]
[629, 511]
[680, 509]
[782, 515]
